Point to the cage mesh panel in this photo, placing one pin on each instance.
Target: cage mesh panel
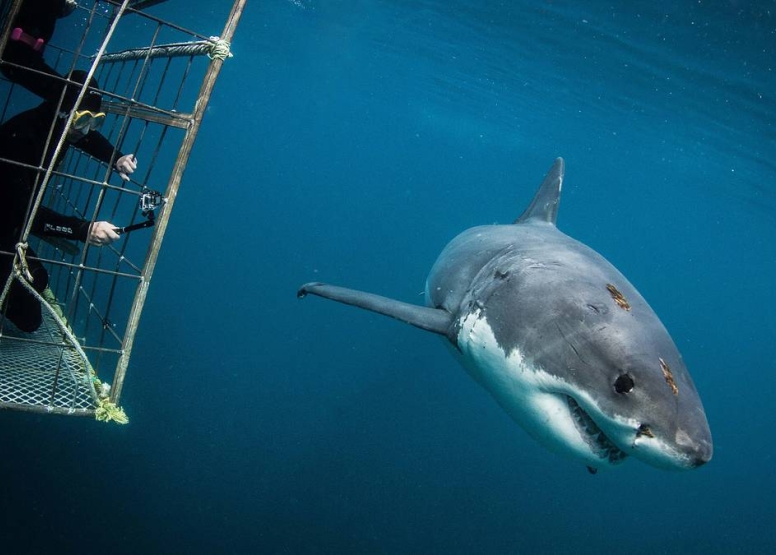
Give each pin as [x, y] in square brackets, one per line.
[42, 370]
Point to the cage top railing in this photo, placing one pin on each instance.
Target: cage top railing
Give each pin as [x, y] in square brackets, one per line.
[121, 105]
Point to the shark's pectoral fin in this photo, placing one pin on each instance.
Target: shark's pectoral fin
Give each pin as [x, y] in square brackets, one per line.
[430, 319]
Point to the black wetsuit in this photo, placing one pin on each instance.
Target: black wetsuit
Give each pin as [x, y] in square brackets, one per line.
[23, 138]
[36, 18]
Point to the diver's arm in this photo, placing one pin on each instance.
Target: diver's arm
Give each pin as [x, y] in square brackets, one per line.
[51, 223]
[97, 145]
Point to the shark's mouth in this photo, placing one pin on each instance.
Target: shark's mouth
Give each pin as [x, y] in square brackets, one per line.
[600, 445]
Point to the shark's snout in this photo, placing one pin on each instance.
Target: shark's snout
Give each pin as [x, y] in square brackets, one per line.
[698, 450]
[684, 449]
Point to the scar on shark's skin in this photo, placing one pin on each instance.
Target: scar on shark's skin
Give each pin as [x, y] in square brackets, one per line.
[618, 297]
[645, 431]
[669, 377]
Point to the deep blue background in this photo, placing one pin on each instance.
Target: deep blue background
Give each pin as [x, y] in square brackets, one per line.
[348, 141]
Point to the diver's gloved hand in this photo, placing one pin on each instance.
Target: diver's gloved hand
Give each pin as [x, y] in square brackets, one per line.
[126, 165]
[102, 233]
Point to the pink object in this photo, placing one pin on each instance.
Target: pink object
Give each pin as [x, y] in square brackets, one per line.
[19, 35]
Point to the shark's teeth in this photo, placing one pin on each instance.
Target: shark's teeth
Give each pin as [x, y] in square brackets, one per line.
[601, 445]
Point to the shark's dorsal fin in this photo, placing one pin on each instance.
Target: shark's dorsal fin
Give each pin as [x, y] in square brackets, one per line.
[544, 207]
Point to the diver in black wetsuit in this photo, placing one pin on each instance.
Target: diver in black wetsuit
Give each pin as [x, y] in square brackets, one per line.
[23, 139]
[31, 31]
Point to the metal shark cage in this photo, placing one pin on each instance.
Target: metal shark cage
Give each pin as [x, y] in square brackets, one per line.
[156, 80]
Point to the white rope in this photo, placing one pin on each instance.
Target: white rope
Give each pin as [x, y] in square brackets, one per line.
[214, 48]
[21, 267]
[220, 50]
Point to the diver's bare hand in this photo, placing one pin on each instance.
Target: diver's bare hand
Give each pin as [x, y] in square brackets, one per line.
[102, 233]
[126, 165]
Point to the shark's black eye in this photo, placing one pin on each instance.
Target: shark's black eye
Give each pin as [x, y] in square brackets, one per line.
[623, 384]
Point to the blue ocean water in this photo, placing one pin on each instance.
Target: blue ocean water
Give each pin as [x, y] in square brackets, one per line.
[347, 142]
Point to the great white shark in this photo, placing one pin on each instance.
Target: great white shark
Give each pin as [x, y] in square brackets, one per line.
[562, 341]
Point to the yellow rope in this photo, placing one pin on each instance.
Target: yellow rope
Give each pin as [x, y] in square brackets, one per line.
[51, 299]
[109, 412]
[106, 410]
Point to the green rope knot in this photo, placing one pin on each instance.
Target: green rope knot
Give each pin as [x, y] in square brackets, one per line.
[51, 299]
[109, 412]
[219, 49]
[106, 410]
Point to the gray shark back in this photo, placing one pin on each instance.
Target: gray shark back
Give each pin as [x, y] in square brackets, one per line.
[470, 252]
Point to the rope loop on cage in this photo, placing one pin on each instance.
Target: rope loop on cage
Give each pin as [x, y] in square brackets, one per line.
[21, 267]
[108, 411]
[219, 49]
